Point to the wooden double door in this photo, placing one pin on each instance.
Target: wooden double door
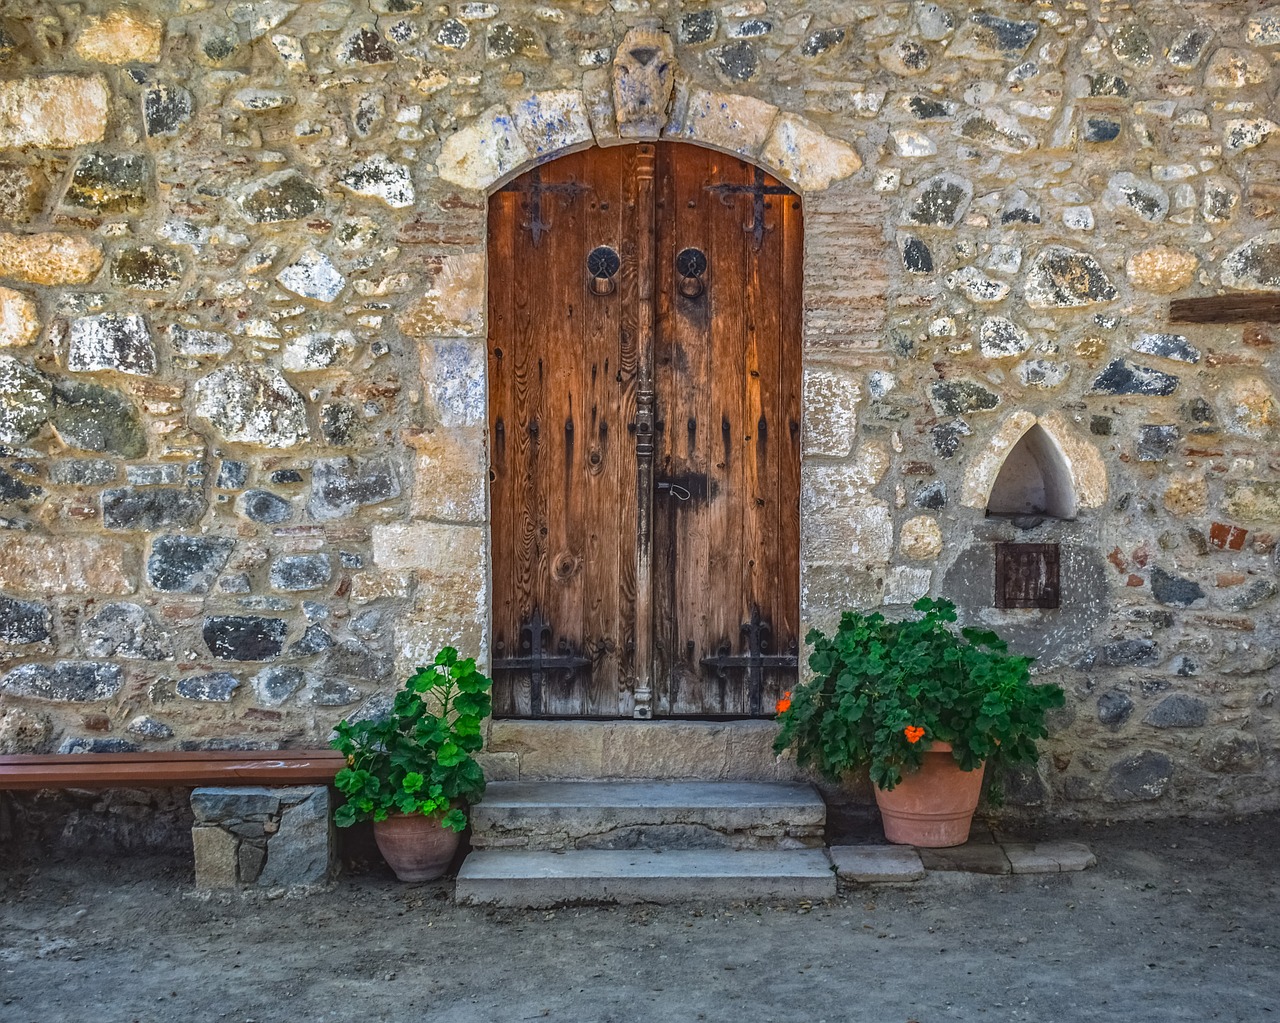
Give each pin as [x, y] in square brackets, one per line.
[644, 414]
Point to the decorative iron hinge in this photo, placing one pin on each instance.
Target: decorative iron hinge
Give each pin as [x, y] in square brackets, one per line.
[535, 658]
[757, 658]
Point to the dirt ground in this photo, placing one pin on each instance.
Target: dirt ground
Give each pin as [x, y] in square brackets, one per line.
[1177, 922]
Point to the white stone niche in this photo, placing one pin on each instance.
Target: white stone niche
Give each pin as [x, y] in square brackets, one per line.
[1034, 482]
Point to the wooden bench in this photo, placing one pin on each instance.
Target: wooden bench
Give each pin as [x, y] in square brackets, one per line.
[169, 769]
[262, 818]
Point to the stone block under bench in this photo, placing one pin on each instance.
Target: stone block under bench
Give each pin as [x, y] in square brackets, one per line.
[263, 837]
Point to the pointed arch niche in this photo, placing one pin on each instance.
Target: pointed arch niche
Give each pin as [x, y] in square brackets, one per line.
[1036, 467]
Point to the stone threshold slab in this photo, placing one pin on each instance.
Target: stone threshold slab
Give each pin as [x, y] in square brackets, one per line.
[887, 864]
[539, 879]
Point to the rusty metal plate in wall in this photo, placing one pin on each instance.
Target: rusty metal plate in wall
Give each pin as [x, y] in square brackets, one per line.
[1027, 575]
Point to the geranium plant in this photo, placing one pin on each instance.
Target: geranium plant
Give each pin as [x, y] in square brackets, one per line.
[882, 691]
[418, 758]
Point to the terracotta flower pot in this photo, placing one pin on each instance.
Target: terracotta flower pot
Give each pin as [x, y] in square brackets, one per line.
[933, 807]
[417, 848]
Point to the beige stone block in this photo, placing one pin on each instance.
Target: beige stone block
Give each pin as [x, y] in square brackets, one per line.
[499, 766]
[370, 586]
[1251, 500]
[449, 474]
[1187, 495]
[826, 486]
[905, 584]
[454, 303]
[666, 749]
[53, 112]
[830, 412]
[450, 608]
[861, 534]
[1230, 68]
[216, 856]
[806, 156]
[552, 122]
[42, 566]
[552, 749]
[751, 756]
[483, 152]
[122, 36]
[597, 94]
[921, 538]
[1250, 408]
[53, 257]
[827, 590]
[19, 319]
[432, 548]
[736, 124]
[1162, 270]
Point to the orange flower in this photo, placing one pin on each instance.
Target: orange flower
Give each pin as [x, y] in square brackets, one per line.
[784, 704]
[914, 733]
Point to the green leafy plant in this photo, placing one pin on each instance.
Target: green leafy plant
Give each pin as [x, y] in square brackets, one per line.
[883, 690]
[418, 758]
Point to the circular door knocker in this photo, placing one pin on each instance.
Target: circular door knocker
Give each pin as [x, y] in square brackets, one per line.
[603, 264]
[691, 264]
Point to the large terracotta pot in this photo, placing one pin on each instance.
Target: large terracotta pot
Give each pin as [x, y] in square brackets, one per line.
[934, 806]
[417, 848]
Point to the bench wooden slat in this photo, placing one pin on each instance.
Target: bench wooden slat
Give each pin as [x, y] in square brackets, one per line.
[158, 770]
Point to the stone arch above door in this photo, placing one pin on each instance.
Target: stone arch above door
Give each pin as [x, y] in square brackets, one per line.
[507, 139]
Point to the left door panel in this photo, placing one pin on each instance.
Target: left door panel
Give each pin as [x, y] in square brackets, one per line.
[562, 385]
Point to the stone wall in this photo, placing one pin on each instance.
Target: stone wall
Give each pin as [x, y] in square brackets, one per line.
[242, 371]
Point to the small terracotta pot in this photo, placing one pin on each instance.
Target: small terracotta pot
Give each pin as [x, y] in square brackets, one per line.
[417, 848]
[932, 807]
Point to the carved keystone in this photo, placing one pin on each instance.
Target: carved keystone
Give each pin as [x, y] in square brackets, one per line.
[643, 79]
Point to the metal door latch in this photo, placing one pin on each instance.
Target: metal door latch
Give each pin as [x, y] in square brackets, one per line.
[676, 491]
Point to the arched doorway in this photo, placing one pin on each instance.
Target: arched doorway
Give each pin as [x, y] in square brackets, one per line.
[644, 413]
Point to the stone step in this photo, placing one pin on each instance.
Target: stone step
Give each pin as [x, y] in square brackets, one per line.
[647, 814]
[520, 878]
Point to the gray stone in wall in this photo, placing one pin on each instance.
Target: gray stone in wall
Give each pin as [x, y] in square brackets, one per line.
[941, 201]
[1063, 278]
[932, 495]
[151, 508]
[274, 685]
[147, 267]
[313, 641]
[946, 437]
[815, 44]
[83, 472]
[23, 622]
[299, 572]
[165, 109]
[957, 397]
[1121, 377]
[1157, 442]
[280, 197]
[333, 692]
[187, 564]
[340, 486]
[232, 475]
[14, 489]
[1141, 777]
[1178, 711]
[1188, 49]
[147, 727]
[1255, 265]
[700, 27]
[1141, 652]
[65, 681]
[264, 506]
[197, 343]
[1248, 596]
[26, 401]
[1114, 708]
[96, 744]
[1127, 192]
[224, 803]
[1174, 590]
[125, 630]
[109, 183]
[1167, 346]
[252, 404]
[244, 637]
[213, 687]
[988, 37]
[110, 341]
[96, 418]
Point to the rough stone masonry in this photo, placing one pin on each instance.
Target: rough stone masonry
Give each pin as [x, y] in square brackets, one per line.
[242, 317]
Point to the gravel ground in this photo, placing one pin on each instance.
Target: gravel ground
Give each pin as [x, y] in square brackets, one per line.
[1177, 922]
